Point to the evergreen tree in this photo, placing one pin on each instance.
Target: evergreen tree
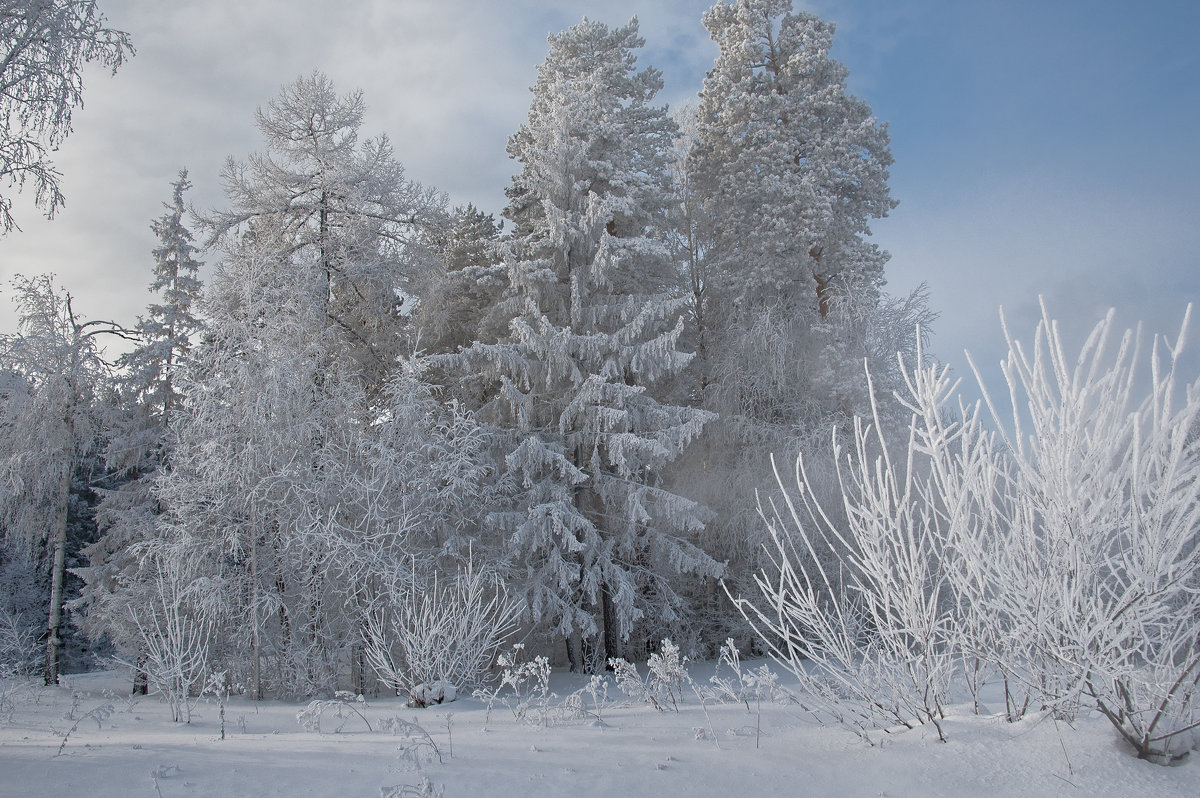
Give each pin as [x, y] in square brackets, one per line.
[595, 538]
[147, 400]
[460, 290]
[791, 166]
[342, 212]
[779, 175]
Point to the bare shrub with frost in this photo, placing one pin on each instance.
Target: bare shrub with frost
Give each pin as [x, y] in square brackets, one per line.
[742, 684]
[18, 645]
[1096, 572]
[426, 640]
[663, 683]
[872, 642]
[423, 789]
[1057, 547]
[524, 687]
[577, 706]
[97, 714]
[343, 707]
[176, 625]
[417, 747]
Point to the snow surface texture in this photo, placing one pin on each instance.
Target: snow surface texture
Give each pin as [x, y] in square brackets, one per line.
[719, 749]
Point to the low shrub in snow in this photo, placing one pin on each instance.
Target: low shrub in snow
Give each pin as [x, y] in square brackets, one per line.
[447, 632]
[1057, 546]
[664, 682]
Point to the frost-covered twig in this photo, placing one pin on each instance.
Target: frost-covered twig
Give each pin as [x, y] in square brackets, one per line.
[417, 744]
[99, 714]
[343, 705]
[423, 789]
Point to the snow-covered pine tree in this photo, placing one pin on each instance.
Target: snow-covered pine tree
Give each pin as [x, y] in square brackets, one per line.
[595, 539]
[146, 397]
[783, 173]
[791, 165]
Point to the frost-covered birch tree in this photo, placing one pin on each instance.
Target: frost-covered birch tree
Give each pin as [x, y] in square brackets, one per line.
[44, 46]
[300, 471]
[50, 428]
[596, 540]
[254, 443]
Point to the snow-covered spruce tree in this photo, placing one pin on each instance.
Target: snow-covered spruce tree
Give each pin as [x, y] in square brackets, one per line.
[138, 444]
[167, 332]
[783, 170]
[50, 428]
[459, 291]
[595, 540]
[44, 46]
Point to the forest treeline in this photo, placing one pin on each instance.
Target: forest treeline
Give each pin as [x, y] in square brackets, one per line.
[579, 399]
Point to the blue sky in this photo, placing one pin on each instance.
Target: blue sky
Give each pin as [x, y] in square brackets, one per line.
[1040, 147]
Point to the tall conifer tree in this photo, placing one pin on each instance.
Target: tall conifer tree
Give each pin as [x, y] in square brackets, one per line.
[595, 537]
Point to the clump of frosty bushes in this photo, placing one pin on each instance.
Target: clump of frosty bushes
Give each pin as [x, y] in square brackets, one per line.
[426, 640]
[1055, 546]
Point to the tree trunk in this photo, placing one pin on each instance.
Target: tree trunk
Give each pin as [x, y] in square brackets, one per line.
[141, 679]
[574, 653]
[57, 571]
[256, 637]
[612, 640]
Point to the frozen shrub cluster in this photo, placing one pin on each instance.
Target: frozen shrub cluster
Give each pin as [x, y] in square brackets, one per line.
[663, 684]
[1057, 547]
[743, 684]
[18, 646]
[428, 640]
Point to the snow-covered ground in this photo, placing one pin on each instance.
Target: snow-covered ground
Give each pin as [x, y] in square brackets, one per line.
[632, 749]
